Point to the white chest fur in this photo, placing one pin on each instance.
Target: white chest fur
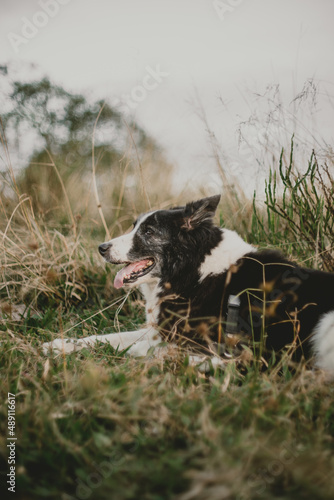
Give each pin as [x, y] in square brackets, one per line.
[150, 292]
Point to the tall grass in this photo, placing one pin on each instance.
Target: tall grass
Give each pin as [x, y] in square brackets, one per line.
[299, 213]
[100, 425]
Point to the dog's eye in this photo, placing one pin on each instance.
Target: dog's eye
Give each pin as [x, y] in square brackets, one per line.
[148, 231]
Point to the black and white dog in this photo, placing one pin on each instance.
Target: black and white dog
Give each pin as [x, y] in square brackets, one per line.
[205, 287]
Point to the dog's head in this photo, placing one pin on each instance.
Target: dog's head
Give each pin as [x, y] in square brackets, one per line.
[159, 240]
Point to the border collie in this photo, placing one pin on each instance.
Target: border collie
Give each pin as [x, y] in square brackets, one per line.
[207, 288]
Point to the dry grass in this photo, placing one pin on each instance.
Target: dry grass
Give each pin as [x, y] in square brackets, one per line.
[100, 425]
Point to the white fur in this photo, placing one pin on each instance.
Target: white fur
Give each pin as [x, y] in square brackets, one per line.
[228, 252]
[121, 245]
[230, 249]
[150, 290]
[323, 343]
[204, 363]
[139, 341]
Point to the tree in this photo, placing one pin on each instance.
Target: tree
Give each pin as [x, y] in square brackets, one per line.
[61, 125]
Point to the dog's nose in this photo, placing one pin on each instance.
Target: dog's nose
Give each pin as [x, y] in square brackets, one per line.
[103, 248]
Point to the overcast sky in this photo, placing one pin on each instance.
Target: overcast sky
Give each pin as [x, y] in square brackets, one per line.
[152, 57]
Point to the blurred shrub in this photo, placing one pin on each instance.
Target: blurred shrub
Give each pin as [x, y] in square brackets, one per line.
[129, 165]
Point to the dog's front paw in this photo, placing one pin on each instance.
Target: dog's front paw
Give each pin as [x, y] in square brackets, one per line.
[61, 345]
[205, 364]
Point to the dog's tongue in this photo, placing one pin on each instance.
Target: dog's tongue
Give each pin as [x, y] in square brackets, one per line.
[126, 271]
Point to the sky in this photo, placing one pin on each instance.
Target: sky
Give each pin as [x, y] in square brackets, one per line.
[169, 63]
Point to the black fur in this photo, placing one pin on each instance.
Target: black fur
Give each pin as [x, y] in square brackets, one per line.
[179, 240]
[292, 300]
[278, 298]
[281, 302]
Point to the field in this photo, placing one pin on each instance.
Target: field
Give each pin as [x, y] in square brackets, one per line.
[100, 425]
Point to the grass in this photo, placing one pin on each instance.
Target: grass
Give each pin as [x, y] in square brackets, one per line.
[99, 425]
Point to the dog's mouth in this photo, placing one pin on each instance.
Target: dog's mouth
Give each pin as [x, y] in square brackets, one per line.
[133, 271]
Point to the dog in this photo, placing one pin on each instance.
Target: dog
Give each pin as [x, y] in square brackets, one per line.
[208, 289]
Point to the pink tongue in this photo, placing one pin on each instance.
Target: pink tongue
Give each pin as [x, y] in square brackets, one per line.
[135, 266]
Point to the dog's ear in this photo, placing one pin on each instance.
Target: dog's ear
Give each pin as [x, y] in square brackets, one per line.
[199, 211]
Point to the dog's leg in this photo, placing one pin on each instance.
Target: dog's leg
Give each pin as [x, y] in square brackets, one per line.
[204, 364]
[142, 347]
[121, 340]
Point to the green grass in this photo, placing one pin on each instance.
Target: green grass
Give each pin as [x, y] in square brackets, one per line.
[98, 424]
[299, 215]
